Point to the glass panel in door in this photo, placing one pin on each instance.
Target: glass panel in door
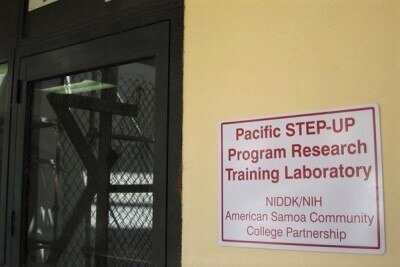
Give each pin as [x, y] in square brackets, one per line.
[90, 184]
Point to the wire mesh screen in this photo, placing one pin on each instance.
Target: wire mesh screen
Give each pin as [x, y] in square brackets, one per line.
[130, 231]
[122, 237]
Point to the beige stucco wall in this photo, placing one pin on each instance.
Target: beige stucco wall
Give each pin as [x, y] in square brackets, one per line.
[256, 58]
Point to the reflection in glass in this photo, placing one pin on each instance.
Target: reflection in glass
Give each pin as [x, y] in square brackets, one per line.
[4, 93]
[35, 4]
[91, 168]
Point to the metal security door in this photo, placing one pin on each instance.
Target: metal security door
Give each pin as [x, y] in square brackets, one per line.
[93, 117]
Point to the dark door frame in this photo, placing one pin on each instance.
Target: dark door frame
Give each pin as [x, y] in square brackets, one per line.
[5, 162]
[171, 13]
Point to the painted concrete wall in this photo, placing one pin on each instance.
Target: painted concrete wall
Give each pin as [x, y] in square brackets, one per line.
[256, 58]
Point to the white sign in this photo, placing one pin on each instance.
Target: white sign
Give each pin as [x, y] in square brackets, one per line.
[35, 4]
[310, 181]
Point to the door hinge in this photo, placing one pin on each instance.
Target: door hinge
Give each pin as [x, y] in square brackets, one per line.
[12, 223]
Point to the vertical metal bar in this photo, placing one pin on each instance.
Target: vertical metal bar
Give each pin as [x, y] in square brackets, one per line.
[88, 223]
[88, 216]
[110, 75]
[56, 206]
[161, 147]
[33, 184]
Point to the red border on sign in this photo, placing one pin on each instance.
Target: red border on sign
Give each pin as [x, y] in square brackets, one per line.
[303, 244]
